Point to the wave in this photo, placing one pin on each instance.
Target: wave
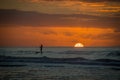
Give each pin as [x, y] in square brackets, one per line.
[114, 53]
[8, 65]
[44, 59]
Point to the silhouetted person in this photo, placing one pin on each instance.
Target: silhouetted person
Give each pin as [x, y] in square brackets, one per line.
[41, 48]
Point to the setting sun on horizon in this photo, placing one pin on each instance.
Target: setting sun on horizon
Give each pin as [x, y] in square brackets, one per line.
[78, 45]
[56, 36]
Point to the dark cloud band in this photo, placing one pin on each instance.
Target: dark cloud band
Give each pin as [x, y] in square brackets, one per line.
[28, 18]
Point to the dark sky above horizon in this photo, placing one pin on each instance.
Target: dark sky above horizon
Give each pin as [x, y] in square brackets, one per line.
[60, 22]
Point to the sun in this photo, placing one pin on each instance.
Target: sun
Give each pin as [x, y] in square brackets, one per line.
[78, 45]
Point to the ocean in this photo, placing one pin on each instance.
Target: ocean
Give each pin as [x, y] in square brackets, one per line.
[60, 63]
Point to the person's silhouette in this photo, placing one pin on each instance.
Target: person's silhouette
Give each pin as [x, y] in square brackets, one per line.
[41, 48]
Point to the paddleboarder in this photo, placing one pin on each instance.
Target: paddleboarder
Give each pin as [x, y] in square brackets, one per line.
[41, 48]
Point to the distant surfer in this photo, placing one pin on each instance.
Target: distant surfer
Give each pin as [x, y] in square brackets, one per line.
[41, 48]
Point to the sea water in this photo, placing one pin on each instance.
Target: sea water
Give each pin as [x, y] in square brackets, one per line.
[32, 70]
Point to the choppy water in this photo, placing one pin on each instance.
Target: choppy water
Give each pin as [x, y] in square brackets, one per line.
[14, 69]
[90, 53]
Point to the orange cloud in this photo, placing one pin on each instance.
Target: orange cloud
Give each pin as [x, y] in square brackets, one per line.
[57, 36]
[88, 7]
[94, 7]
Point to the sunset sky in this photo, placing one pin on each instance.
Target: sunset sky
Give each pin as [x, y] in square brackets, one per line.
[94, 23]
